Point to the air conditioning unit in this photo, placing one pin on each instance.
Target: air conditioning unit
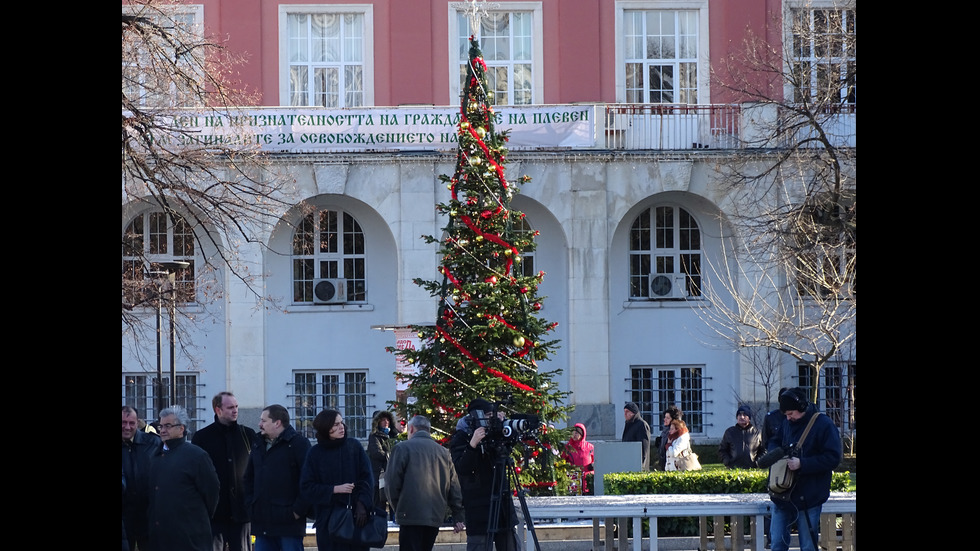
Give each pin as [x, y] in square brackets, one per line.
[668, 286]
[329, 291]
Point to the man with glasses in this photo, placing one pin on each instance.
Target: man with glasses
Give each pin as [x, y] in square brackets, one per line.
[183, 489]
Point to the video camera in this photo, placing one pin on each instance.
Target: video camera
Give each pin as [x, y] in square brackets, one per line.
[770, 458]
[503, 431]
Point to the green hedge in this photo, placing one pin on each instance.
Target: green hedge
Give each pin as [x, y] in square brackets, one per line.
[705, 481]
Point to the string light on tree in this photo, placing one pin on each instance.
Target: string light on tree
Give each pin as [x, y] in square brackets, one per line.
[488, 338]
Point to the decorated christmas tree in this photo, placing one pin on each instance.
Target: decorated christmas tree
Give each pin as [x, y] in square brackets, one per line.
[488, 337]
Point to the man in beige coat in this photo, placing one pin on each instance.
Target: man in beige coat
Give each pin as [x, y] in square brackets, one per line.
[422, 487]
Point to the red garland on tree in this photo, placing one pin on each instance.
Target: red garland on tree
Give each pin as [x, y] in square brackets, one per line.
[488, 337]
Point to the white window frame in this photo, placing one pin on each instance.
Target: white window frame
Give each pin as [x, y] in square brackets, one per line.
[703, 57]
[653, 399]
[138, 391]
[196, 13]
[789, 8]
[356, 286]
[353, 404]
[186, 278]
[526, 266]
[365, 10]
[693, 281]
[845, 408]
[537, 56]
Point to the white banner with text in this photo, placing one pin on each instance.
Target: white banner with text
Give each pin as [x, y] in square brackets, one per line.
[313, 130]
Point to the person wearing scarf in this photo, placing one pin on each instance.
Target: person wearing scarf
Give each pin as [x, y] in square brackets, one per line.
[678, 440]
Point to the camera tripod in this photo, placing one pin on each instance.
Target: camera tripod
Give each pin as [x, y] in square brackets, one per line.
[504, 469]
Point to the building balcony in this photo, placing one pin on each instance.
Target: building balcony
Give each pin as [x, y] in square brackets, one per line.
[587, 126]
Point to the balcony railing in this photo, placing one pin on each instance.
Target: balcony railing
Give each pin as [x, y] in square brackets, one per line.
[684, 127]
[667, 126]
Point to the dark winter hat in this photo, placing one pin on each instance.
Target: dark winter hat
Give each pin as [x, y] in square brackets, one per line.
[793, 399]
[744, 409]
[479, 404]
[632, 407]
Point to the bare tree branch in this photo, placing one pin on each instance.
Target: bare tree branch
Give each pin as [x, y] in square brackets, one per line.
[791, 266]
[226, 192]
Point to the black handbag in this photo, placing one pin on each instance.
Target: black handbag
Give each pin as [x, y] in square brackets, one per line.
[375, 532]
[341, 527]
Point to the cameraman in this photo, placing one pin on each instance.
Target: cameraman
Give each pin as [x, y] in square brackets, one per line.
[477, 462]
[813, 463]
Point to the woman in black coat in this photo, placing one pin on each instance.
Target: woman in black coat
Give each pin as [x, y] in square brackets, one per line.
[337, 472]
[379, 450]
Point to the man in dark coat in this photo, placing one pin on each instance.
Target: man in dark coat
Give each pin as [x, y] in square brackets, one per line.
[479, 466]
[138, 448]
[637, 430]
[272, 495]
[740, 445]
[183, 489]
[813, 463]
[228, 444]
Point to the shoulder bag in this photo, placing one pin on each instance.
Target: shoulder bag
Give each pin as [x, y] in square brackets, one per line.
[342, 528]
[781, 478]
[687, 461]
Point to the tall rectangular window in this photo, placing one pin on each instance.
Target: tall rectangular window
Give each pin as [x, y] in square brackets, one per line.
[512, 48]
[141, 390]
[344, 391]
[654, 389]
[665, 241]
[151, 239]
[161, 66]
[838, 384]
[326, 56]
[825, 55]
[660, 50]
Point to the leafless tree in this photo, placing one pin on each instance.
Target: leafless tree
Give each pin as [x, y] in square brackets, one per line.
[791, 264]
[216, 191]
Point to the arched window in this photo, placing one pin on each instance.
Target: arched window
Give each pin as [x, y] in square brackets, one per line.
[329, 244]
[150, 240]
[665, 255]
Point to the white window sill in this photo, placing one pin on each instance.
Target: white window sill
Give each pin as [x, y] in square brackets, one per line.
[694, 302]
[308, 308]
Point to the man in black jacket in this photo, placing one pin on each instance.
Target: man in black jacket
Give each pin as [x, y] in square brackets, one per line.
[228, 444]
[137, 449]
[479, 467]
[740, 445]
[277, 512]
[813, 463]
[637, 430]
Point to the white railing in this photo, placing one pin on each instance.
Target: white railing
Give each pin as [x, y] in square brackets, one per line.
[633, 509]
[670, 126]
